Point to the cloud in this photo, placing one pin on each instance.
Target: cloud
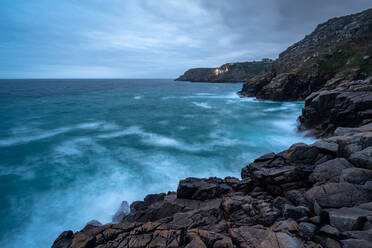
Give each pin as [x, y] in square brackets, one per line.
[150, 39]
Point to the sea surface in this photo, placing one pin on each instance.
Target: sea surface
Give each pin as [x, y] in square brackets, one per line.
[72, 150]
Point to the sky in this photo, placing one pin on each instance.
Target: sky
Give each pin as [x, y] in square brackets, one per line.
[151, 38]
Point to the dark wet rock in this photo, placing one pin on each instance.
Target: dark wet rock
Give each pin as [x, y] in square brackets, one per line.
[337, 195]
[64, 240]
[366, 206]
[201, 189]
[286, 226]
[348, 219]
[83, 240]
[355, 243]
[356, 175]
[327, 242]
[308, 230]
[94, 223]
[279, 202]
[361, 235]
[326, 147]
[294, 212]
[297, 196]
[315, 220]
[258, 237]
[326, 110]
[330, 230]
[329, 171]
[362, 158]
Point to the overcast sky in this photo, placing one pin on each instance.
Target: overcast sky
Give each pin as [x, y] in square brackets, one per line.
[153, 38]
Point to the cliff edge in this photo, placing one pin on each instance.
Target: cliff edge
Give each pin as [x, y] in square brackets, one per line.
[340, 48]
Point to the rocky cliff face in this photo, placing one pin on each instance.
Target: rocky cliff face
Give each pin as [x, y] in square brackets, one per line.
[338, 48]
[347, 105]
[232, 72]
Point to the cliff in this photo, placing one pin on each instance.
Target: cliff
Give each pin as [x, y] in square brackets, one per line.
[330, 69]
[339, 48]
[232, 72]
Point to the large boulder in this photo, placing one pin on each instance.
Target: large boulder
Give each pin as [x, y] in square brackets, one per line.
[362, 158]
[356, 175]
[202, 189]
[247, 236]
[337, 195]
[347, 219]
[330, 171]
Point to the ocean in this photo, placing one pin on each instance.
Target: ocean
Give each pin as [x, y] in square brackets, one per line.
[72, 150]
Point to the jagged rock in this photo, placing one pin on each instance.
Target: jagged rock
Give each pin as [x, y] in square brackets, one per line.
[154, 207]
[353, 143]
[279, 202]
[337, 195]
[258, 237]
[295, 213]
[355, 243]
[308, 230]
[94, 223]
[347, 219]
[64, 240]
[366, 206]
[361, 235]
[330, 171]
[330, 230]
[326, 147]
[362, 158]
[286, 226]
[327, 242]
[315, 220]
[201, 189]
[83, 240]
[356, 175]
[297, 197]
[224, 243]
[326, 110]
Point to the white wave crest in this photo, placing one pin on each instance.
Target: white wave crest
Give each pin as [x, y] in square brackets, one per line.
[202, 105]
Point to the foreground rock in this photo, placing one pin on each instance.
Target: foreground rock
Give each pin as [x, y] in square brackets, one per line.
[307, 196]
[232, 72]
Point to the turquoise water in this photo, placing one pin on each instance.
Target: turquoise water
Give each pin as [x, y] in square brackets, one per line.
[72, 150]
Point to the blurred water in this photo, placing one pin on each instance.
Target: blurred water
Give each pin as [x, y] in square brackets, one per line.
[72, 150]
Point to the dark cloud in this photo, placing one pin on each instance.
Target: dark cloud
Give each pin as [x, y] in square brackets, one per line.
[138, 38]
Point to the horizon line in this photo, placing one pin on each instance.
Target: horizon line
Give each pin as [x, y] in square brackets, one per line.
[85, 78]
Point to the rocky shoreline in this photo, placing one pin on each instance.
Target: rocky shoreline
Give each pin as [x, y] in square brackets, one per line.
[317, 195]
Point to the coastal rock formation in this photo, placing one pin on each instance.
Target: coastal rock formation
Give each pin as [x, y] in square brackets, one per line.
[338, 49]
[231, 72]
[317, 195]
[347, 105]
